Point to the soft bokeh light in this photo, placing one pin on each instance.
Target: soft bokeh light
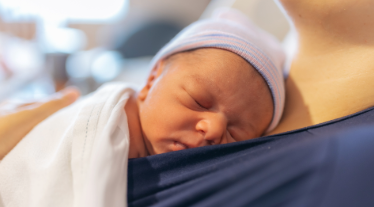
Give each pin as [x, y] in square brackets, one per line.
[84, 10]
[78, 65]
[21, 56]
[106, 66]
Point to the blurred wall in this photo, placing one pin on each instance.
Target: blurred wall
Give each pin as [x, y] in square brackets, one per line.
[23, 29]
[178, 12]
[91, 30]
[264, 13]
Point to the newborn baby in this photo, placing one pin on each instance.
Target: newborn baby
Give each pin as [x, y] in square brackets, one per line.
[218, 81]
[202, 97]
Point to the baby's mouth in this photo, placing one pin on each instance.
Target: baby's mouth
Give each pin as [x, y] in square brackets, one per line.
[178, 146]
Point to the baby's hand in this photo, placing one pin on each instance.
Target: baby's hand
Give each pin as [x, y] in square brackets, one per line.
[16, 120]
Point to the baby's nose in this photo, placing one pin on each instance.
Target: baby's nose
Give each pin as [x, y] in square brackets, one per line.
[213, 129]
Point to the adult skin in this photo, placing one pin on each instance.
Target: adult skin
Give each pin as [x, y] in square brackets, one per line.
[332, 73]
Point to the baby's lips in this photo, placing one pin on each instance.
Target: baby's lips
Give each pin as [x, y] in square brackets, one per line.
[178, 146]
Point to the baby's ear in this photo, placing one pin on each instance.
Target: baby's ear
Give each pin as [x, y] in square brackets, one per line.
[155, 73]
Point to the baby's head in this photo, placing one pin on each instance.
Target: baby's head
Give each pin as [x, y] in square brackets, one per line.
[214, 83]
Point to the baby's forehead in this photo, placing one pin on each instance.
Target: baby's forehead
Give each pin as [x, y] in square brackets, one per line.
[209, 59]
[216, 70]
[213, 64]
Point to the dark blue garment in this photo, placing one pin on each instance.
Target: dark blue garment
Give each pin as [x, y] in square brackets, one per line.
[327, 165]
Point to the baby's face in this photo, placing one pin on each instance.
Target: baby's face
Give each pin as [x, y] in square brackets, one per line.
[204, 97]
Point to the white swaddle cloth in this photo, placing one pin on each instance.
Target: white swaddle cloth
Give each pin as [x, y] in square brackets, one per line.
[76, 157]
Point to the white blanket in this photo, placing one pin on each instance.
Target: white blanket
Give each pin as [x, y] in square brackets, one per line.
[76, 157]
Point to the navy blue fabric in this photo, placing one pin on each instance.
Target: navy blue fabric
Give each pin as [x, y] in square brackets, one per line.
[330, 164]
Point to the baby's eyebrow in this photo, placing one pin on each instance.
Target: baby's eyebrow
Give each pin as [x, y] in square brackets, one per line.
[206, 81]
[197, 78]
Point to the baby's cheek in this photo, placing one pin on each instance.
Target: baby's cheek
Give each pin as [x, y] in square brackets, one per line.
[175, 120]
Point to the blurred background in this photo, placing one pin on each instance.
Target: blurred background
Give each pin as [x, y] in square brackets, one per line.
[46, 45]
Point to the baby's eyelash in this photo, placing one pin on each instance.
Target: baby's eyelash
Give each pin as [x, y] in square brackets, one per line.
[200, 104]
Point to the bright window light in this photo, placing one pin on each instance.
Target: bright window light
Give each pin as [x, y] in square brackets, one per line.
[80, 10]
[64, 40]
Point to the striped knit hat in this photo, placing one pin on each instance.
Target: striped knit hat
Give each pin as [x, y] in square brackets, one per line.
[231, 30]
